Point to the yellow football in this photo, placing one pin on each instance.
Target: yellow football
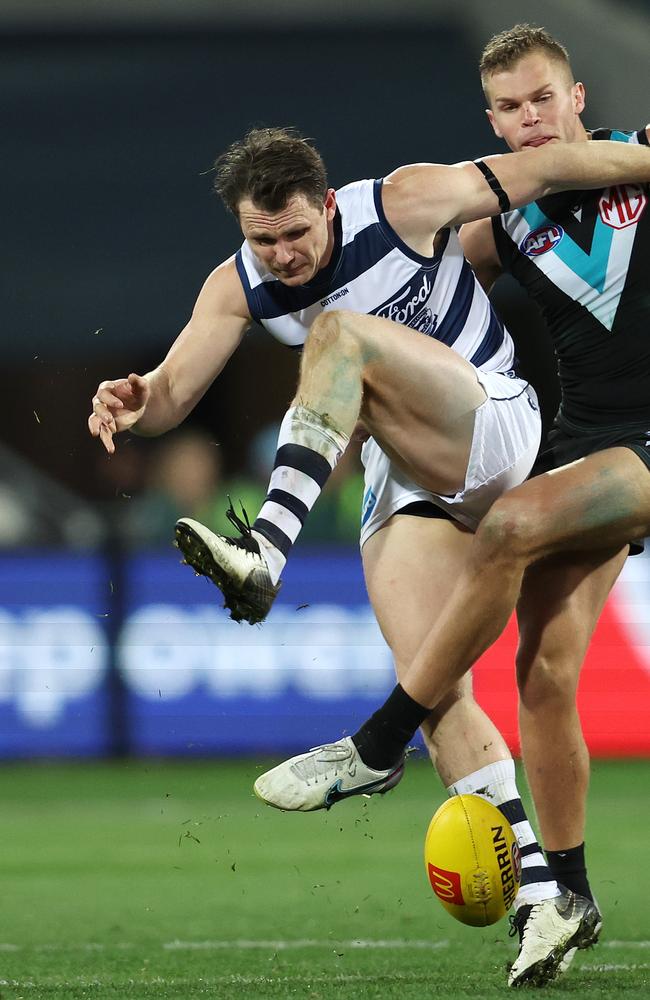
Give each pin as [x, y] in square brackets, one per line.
[472, 860]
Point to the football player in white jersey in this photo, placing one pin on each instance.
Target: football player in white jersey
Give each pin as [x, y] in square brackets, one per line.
[459, 431]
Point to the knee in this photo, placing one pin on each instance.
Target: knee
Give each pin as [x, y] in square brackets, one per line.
[509, 531]
[332, 331]
[547, 681]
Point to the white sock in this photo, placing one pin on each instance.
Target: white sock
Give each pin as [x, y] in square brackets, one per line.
[308, 449]
[496, 783]
[275, 560]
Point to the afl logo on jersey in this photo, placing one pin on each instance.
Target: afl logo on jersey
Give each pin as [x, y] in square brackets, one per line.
[622, 205]
[541, 240]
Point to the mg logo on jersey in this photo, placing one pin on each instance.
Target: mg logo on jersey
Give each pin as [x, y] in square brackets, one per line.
[541, 240]
[446, 885]
[622, 205]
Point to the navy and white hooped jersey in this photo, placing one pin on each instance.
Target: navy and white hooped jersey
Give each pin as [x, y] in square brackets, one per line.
[584, 256]
[373, 271]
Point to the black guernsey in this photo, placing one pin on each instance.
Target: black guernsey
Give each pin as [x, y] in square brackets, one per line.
[584, 257]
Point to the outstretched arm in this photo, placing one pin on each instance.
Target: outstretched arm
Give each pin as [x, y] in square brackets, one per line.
[161, 399]
[422, 198]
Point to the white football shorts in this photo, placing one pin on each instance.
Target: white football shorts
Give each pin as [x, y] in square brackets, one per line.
[507, 431]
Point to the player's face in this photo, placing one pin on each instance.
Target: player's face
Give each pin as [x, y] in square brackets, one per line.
[294, 243]
[535, 102]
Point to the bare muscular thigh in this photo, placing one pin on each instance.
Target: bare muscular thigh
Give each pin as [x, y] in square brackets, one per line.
[419, 400]
[601, 501]
[410, 566]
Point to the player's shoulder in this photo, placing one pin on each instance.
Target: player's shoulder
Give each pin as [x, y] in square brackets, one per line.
[358, 205]
[224, 286]
[357, 195]
[355, 189]
[224, 274]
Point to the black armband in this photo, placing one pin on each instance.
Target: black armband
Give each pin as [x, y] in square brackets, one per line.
[504, 201]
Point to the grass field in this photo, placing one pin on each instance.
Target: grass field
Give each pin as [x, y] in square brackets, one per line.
[169, 879]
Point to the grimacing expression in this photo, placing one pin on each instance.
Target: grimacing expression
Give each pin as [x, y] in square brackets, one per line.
[535, 102]
[294, 243]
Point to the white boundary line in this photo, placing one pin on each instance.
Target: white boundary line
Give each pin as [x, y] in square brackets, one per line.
[353, 943]
[243, 944]
[294, 944]
[617, 967]
[625, 944]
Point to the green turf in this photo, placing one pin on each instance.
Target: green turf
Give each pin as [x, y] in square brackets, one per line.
[158, 879]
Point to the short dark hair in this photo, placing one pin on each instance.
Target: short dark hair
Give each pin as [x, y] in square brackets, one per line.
[504, 50]
[269, 166]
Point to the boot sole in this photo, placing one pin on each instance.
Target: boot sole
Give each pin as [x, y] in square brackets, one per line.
[200, 558]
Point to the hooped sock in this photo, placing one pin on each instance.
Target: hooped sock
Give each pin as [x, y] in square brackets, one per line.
[497, 783]
[308, 450]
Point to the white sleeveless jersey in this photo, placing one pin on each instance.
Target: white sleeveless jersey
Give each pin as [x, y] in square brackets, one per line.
[373, 271]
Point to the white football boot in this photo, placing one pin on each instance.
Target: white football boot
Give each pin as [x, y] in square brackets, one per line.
[322, 776]
[547, 932]
[234, 565]
[571, 953]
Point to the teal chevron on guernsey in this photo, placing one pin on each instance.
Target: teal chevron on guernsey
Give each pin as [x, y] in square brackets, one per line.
[618, 136]
[591, 267]
[582, 256]
[595, 277]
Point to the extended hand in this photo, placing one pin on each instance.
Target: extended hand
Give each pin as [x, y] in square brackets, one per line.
[117, 406]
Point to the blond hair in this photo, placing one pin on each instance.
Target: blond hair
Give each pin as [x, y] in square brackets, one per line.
[504, 50]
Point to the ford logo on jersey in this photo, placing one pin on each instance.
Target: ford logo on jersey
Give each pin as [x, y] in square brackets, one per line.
[410, 305]
[541, 240]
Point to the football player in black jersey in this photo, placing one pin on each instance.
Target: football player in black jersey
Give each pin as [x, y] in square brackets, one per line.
[557, 544]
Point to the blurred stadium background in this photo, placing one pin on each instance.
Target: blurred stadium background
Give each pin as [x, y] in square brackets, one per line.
[113, 114]
[133, 877]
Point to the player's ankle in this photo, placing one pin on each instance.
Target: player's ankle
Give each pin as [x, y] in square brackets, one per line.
[569, 868]
[274, 559]
[382, 740]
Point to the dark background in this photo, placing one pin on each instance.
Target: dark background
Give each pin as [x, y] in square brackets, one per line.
[109, 224]
[111, 114]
